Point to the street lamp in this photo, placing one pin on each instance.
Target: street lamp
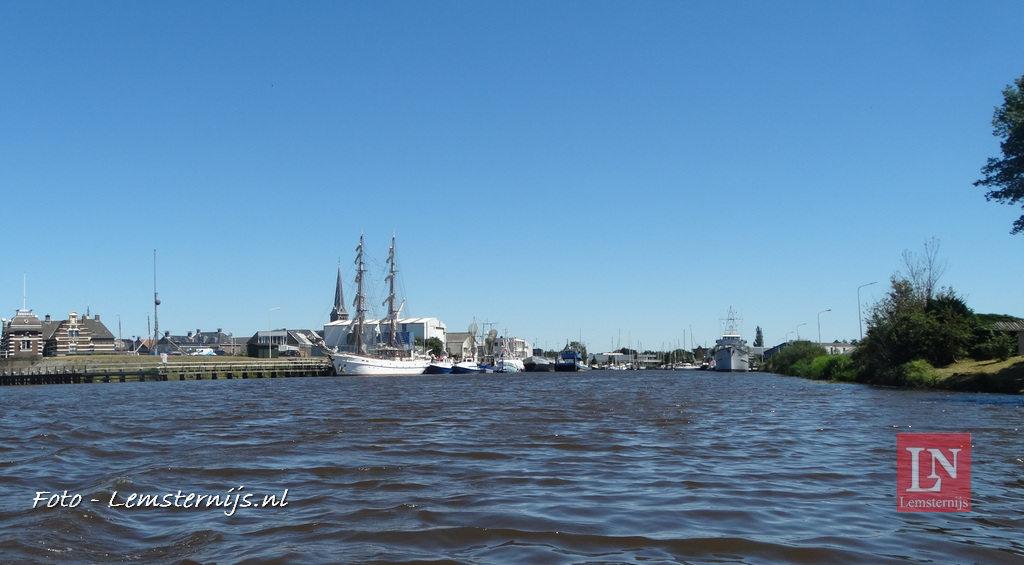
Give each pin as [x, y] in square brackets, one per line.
[787, 336]
[270, 335]
[798, 330]
[819, 324]
[860, 319]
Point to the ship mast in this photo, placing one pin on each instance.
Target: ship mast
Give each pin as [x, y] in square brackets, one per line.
[390, 302]
[360, 301]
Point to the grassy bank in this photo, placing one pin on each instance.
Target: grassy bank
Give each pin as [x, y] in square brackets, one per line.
[983, 376]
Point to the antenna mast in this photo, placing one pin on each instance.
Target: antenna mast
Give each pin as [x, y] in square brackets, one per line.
[156, 302]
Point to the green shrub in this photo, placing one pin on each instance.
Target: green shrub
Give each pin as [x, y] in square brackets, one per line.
[839, 368]
[993, 345]
[795, 359]
[918, 374]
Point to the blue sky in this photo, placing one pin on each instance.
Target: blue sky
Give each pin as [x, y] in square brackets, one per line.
[617, 172]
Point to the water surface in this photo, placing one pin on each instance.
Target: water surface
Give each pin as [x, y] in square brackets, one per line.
[599, 467]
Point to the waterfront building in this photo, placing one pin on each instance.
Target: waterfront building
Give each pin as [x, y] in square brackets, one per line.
[194, 342]
[22, 335]
[283, 343]
[461, 345]
[76, 336]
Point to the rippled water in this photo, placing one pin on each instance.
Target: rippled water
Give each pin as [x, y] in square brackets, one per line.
[600, 467]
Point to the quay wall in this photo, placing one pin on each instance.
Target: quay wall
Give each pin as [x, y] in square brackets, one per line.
[103, 369]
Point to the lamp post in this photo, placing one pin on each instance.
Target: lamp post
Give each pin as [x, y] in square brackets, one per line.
[860, 319]
[787, 336]
[819, 324]
[270, 336]
[798, 330]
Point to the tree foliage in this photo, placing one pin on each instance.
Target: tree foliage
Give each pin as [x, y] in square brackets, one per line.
[795, 359]
[903, 330]
[1004, 178]
[758, 337]
[434, 346]
[579, 348]
[924, 271]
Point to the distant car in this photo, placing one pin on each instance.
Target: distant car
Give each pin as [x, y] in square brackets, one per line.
[290, 353]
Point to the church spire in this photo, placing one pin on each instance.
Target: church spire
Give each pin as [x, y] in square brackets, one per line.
[339, 312]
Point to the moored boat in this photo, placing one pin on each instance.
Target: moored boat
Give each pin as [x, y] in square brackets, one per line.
[440, 367]
[507, 360]
[538, 364]
[731, 352]
[570, 360]
[388, 357]
[467, 365]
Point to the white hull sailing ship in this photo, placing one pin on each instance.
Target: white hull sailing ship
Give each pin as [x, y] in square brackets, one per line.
[388, 356]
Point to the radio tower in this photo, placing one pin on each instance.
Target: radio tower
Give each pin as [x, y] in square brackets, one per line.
[156, 302]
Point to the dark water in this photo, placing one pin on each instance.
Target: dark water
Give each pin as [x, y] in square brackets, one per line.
[601, 467]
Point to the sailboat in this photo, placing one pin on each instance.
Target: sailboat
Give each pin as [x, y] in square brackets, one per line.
[389, 357]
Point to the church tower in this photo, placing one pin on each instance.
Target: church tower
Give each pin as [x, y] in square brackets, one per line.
[339, 312]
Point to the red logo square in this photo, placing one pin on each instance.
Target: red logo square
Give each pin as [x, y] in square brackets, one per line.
[933, 472]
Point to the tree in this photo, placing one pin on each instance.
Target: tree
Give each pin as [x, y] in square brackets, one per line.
[903, 330]
[579, 348]
[924, 272]
[1004, 178]
[434, 346]
[795, 359]
[758, 337]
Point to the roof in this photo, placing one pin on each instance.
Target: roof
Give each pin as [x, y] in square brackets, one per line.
[92, 325]
[24, 320]
[1014, 326]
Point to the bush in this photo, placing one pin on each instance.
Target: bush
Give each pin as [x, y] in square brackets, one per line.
[795, 359]
[918, 374]
[993, 345]
[839, 368]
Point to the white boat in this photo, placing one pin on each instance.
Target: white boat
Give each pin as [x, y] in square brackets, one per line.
[506, 359]
[731, 352]
[467, 365]
[389, 357]
[441, 366]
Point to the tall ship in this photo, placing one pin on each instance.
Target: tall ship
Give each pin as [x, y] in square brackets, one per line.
[731, 352]
[388, 356]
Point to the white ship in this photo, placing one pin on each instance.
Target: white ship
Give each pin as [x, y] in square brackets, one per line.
[731, 352]
[387, 357]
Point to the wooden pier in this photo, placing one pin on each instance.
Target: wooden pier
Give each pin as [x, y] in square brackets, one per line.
[114, 373]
